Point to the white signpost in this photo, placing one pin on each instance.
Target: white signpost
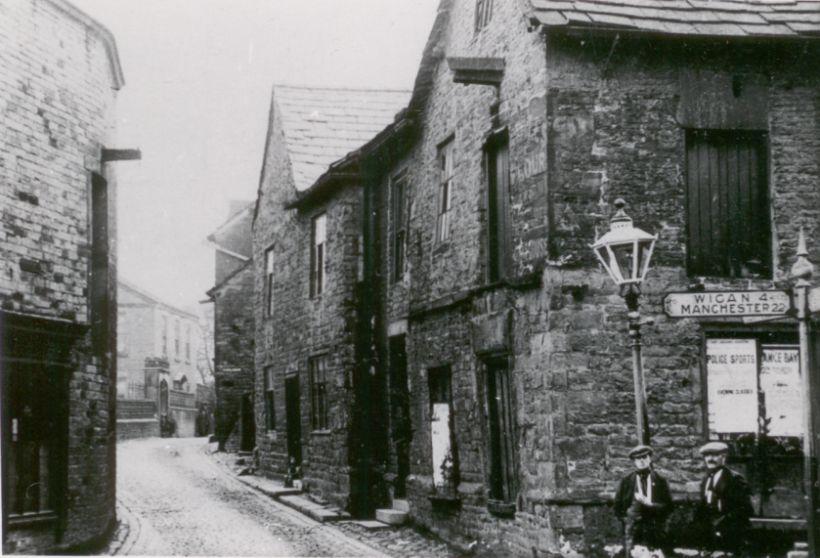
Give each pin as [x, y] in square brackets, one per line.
[727, 304]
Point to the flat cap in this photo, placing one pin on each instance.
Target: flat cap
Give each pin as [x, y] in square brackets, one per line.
[639, 451]
[714, 447]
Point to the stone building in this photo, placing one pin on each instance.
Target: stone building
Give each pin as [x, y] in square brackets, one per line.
[305, 254]
[232, 298]
[61, 74]
[493, 347]
[157, 355]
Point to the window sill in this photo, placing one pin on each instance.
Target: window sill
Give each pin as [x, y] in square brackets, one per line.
[445, 503]
[32, 519]
[322, 432]
[501, 508]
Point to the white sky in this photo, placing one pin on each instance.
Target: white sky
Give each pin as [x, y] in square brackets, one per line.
[198, 80]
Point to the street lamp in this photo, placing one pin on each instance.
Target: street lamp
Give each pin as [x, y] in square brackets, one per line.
[625, 252]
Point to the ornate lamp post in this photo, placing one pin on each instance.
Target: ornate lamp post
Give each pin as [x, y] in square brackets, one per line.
[801, 273]
[625, 252]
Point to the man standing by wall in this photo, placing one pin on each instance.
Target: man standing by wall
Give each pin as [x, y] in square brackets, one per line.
[643, 503]
[725, 507]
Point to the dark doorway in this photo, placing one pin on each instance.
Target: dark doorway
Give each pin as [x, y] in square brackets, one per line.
[293, 415]
[247, 427]
[163, 397]
[401, 430]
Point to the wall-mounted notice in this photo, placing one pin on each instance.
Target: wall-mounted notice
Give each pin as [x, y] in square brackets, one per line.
[780, 383]
[731, 376]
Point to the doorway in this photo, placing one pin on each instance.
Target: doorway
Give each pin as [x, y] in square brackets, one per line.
[293, 416]
[401, 430]
[247, 426]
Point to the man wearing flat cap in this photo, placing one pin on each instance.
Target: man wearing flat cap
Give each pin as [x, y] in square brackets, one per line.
[643, 503]
[725, 506]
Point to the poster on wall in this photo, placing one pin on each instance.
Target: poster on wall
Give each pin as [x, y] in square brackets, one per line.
[731, 376]
[780, 383]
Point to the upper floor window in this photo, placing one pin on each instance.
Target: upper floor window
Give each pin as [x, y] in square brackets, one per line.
[176, 338]
[165, 336]
[398, 221]
[445, 189]
[269, 282]
[317, 368]
[188, 343]
[498, 198]
[728, 223]
[318, 238]
[483, 13]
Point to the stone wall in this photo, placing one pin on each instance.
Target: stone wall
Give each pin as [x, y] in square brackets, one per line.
[584, 128]
[137, 419]
[57, 100]
[233, 351]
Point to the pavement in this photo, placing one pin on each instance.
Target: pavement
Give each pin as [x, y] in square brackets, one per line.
[176, 497]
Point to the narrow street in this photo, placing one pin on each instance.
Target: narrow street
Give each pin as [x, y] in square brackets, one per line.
[177, 501]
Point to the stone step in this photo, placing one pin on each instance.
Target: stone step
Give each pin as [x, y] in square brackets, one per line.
[391, 516]
[370, 524]
[312, 509]
[401, 505]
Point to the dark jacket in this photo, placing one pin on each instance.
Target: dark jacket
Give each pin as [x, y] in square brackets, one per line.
[661, 497]
[726, 519]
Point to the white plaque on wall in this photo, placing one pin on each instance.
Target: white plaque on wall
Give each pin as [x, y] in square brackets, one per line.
[780, 383]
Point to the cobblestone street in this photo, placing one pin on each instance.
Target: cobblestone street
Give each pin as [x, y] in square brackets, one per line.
[174, 498]
[177, 501]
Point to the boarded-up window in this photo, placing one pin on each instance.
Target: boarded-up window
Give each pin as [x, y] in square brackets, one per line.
[729, 231]
[317, 367]
[498, 196]
[501, 423]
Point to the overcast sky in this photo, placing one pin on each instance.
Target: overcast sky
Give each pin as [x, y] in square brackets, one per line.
[198, 79]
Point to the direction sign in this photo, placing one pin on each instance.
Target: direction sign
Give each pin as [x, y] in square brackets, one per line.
[726, 304]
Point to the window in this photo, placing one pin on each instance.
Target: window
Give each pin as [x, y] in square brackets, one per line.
[728, 225]
[445, 193]
[483, 13]
[445, 456]
[498, 197]
[99, 289]
[317, 368]
[501, 430]
[176, 338]
[270, 412]
[188, 343]
[165, 336]
[269, 282]
[398, 221]
[317, 254]
[755, 404]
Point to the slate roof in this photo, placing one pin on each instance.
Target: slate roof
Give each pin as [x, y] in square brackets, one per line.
[322, 125]
[712, 18]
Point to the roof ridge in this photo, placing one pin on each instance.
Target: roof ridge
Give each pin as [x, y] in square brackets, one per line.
[343, 88]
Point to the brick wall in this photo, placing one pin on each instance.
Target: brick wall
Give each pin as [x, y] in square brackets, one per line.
[57, 100]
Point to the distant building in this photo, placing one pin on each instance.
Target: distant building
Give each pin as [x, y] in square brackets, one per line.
[58, 312]
[232, 297]
[157, 352]
[306, 262]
